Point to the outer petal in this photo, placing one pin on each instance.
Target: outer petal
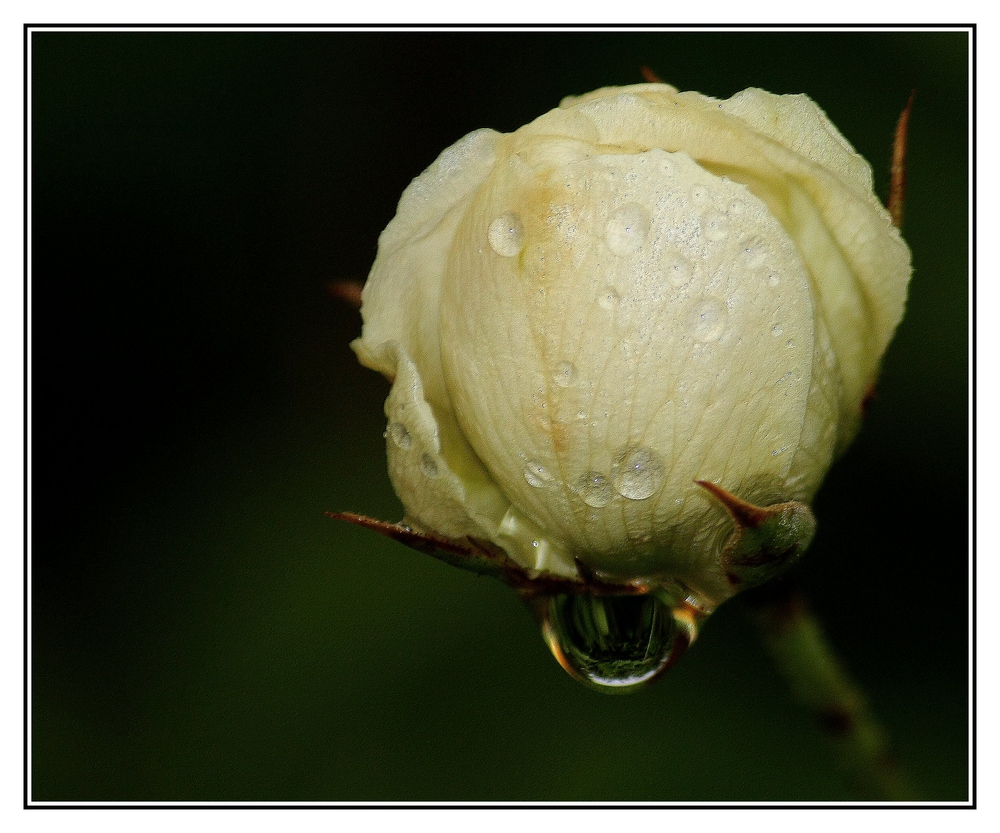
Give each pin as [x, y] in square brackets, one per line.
[638, 289]
[785, 150]
[646, 324]
[443, 486]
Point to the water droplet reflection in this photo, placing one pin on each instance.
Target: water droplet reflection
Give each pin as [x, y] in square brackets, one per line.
[612, 643]
[428, 466]
[637, 473]
[400, 436]
[626, 231]
[506, 235]
[594, 489]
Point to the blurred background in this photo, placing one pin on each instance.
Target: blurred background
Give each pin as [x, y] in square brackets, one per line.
[202, 632]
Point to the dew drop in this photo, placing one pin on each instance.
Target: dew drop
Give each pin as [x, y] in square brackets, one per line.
[564, 374]
[790, 344]
[754, 251]
[614, 644]
[678, 270]
[627, 229]
[400, 436]
[777, 330]
[506, 235]
[594, 489]
[715, 226]
[536, 474]
[701, 195]
[608, 299]
[637, 473]
[428, 466]
[772, 280]
[710, 320]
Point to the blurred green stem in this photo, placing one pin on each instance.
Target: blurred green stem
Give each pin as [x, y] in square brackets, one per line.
[818, 680]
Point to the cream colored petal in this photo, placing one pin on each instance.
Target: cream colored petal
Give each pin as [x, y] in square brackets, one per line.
[858, 264]
[400, 298]
[798, 123]
[436, 497]
[653, 325]
[401, 339]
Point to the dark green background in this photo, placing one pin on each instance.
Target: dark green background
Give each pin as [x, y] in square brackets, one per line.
[201, 632]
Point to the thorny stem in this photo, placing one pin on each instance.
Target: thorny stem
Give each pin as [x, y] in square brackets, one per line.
[794, 638]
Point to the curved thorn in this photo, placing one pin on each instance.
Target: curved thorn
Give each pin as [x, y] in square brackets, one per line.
[897, 186]
[743, 513]
[347, 291]
[650, 76]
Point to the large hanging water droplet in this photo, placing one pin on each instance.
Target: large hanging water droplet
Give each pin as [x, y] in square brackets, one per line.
[612, 643]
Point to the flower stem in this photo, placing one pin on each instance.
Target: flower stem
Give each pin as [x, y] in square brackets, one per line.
[804, 657]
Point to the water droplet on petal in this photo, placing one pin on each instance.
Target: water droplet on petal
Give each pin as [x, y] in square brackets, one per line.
[637, 473]
[777, 330]
[608, 299]
[612, 643]
[754, 251]
[627, 229]
[428, 466]
[701, 195]
[400, 436]
[710, 321]
[772, 280]
[677, 269]
[594, 489]
[715, 226]
[506, 235]
[536, 474]
[564, 374]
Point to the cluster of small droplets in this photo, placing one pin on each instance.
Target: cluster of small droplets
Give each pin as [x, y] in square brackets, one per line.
[403, 440]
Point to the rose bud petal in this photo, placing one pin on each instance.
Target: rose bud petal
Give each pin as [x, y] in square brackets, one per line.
[628, 339]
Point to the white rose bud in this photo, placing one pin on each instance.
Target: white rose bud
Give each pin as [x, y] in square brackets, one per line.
[626, 342]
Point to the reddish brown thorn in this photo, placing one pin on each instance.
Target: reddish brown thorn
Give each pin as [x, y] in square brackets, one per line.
[349, 291]
[897, 184]
[650, 76]
[486, 559]
[427, 544]
[866, 400]
[744, 514]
